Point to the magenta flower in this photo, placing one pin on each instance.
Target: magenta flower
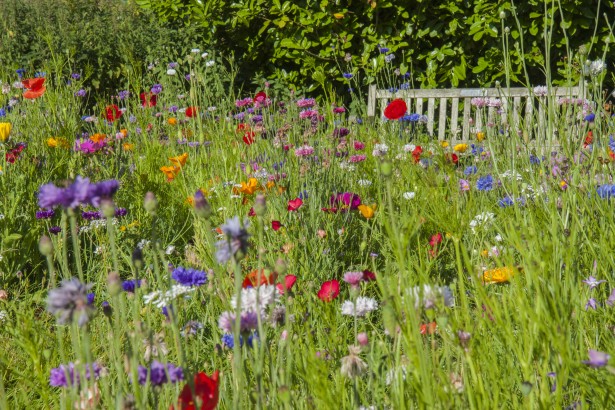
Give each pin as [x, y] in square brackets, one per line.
[597, 359]
[346, 200]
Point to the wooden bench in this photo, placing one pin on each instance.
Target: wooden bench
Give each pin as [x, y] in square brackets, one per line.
[449, 105]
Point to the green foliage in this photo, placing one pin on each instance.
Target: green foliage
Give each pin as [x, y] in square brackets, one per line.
[444, 44]
[107, 41]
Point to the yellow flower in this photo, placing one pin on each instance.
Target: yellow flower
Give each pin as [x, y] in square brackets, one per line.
[128, 146]
[270, 184]
[498, 275]
[124, 132]
[179, 160]
[172, 121]
[367, 211]
[444, 144]
[122, 228]
[5, 130]
[57, 142]
[480, 136]
[460, 147]
[338, 15]
[484, 253]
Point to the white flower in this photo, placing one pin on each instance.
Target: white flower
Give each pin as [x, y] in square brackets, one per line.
[498, 238]
[1, 217]
[431, 296]
[409, 195]
[364, 182]
[162, 299]
[210, 63]
[204, 55]
[169, 250]
[195, 51]
[541, 90]
[481, 221]
[409, 147]
[347, 166]
[212, 109]
[171, 71]
[394, 374]
[143, 243]
[596, 67]
[512, 174]
[256, 299]
[362, 306]
[380, 150]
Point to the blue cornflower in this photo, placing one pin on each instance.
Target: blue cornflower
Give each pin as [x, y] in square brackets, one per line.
[606, 191]
[404, 86]
[393, 89]
[2, 112]
[347, 75]
[20, 72]
[303, 195]
[476, 150]
[611, 143]
[383, 50]
[389, 57]
[485, 183]
[90, 298]
[506, 202]
[470, 170]
[189, 277]
[130, 285]
[534, 160]
[590, 117]
[411, 117]
[40, 74]
[75, 76]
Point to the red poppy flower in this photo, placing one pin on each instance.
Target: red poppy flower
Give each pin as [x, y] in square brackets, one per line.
[192, 111]
[289, 282]
[396, 109]
[253, 279]
[10, 157]
[294, 204]
[329, 210]
[262, 96]
[329, 290]
[416, 154]
[113, 112]
[206, 390]
[435, 240]
[34, 88]
[589, 138]
[428, 328]
[251, 213]
[148, 99]
[368, 276]
[454, 159]
[275, 225]
[241, 126]
[248, 138]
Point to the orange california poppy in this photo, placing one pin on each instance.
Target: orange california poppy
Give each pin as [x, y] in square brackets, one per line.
[170, 172]
[250, 187]
[498, 275]
[34, 87]
[179, 160]
[253, 279]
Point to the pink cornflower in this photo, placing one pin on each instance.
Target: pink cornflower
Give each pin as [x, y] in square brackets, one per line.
[359, 146]
[357, 158]
[308, 114]
[304, 151]
[353, 278]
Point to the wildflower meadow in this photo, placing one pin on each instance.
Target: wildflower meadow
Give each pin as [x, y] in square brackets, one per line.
[188, 243]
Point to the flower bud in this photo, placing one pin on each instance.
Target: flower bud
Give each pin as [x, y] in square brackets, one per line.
[114, 285]
[201, 205]
[386, 169]
[45, 245]
[260, 205]
[502, 15]
[150, 203]
[362, 339]
[137, 258]
[106, 308]
[108, 208]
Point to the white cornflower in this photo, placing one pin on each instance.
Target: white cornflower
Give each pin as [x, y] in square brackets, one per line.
[210, 63]
[430, 297]
[170, 249]
[171, 71]
[195, 51]
[596, 67]
[256, 299]
[162, 299]
[3, 315]
[380, 150]
[143, 243]
[512, 174]
[409, 195]
[362, 306]
[364, 182]
[541, 90]
[481, 221]
[409, 147]
[347, 166]
[204, 55]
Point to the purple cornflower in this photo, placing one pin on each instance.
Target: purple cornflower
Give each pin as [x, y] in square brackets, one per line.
[189, 277]
[80, 192]
[130, 285]
[341, 132]
[75, 76]
[69, 302]
[485, 183]
[156, 89]
[159, 373]
[611, 300]
[470, 170]
[66, 375]
[172, 65]
[90, 298]
[45, 214]
[89, 215]
[236, 241]
[597, 359]
[506, 202]
[591, 303]
[464, 185]
[306, 102]
[353, 279]
[55, 230]
[120, 212]
[122, 95]
[248, 322]
[80, 93]
[592, 282]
